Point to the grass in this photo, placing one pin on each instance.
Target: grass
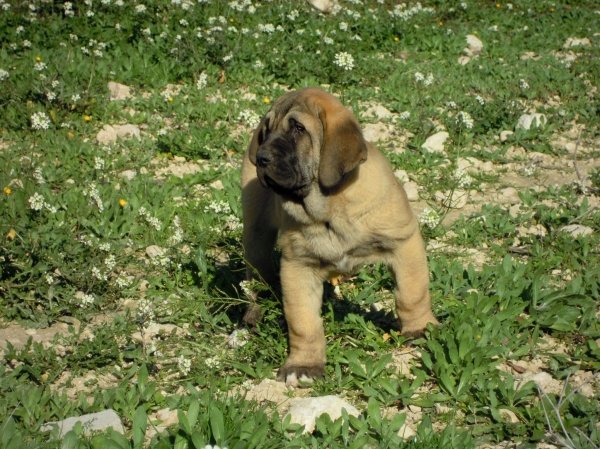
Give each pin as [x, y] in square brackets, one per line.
[92, 238]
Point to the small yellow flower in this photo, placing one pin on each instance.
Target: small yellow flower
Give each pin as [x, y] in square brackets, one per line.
[441, 23]
[498, 5]
[38, 59]
[475, 32]
[122, 202]
[231, 20]
[7, 190]
[266, 100]
[170, 98]
[479, 337]
[396, 39]
[45, 376]
[552, 9]
[87, 118]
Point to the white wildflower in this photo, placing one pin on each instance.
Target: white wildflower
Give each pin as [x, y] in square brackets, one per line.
[293, 15]
[36, 201]
[75, 98]
[328, 40]
[123, 280]
[466, 119]
[145, 312]
[212, 362]
[343, 26]
[110, 262]
[429, 218]
[87, 300]
[39, 66]
[419, 77]
[39, 176]
[140, 8]
[184, 365]
[259, 64]
[404, 115]
[462, 178]
[40, 120]
[523, 84]
[98, 274]
[99, 163]
[480, 99]
[49, 279]
[428, 81]
[344, 60]
[250, 117]
[183, 23]
[3, 74]
[245, 286]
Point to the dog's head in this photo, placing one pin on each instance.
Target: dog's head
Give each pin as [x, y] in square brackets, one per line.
[307, 135]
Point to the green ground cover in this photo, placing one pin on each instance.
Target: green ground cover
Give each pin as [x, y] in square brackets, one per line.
[103, 237]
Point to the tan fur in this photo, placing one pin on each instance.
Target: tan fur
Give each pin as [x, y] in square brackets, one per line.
[353, 212]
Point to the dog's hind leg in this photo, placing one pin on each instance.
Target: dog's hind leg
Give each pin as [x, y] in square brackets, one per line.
[259, 235]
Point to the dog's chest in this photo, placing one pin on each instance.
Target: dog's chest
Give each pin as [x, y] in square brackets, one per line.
[344, 247]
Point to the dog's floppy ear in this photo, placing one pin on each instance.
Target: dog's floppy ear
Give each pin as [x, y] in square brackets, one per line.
[344, 147]
[260, 133]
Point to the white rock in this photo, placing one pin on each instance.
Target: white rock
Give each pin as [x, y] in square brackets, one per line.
[401, 176]
[463, 60]
[526, 121]
[441, 409]
[544, 381]
[576, 230]
[128, 174]
[268, 390]
[435, 143]
[94, 421]
[306, 411]
[457, 201]
[127, 132]
[238, 338]
[375, 132]
[379, 112]
[575, 42]
[325, 6]
[412, 191]
[509, 195]
[109, 134]
[406, 432]
[504, 135]
[118, 91]
[475, 46]
[218, 184]
[154, 251]
[508, 415]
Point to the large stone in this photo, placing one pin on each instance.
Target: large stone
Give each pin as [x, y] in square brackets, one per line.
[92, 422]
[268, 390]
[401, 176]
[544, 381]
[325, 6]
[504, 135]
[435, 143]
[412, 191]
[406, 432]
[379, 112]
[526, 121]
[474, 45]
[576, 230]
[575, 42]
[375, 132]
[110, 133]
[456, 199]
[306, 411]
[118, 91]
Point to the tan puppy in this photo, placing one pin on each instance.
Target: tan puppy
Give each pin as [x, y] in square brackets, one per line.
[310, 176]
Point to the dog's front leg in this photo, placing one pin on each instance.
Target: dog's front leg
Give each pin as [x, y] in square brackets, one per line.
[302, 290]
[413, 303]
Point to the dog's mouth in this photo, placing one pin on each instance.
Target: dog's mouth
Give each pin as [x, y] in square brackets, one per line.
[292, 191]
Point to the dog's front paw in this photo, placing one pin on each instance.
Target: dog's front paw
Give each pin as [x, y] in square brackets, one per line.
[298, 376]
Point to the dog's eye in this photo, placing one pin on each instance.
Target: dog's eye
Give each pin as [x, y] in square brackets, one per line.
[298, 127]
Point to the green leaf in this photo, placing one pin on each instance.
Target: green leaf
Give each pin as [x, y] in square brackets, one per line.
[142, 378]
[192, 414]
[140, 421]
[70, 441]
[374, 413]
[217, 424]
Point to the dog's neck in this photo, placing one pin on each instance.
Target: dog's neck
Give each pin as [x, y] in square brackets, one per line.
[312, 208]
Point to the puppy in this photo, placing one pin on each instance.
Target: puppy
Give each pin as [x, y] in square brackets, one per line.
[311, 178]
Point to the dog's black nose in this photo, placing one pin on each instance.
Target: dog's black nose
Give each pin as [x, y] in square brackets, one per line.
[263, 158]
